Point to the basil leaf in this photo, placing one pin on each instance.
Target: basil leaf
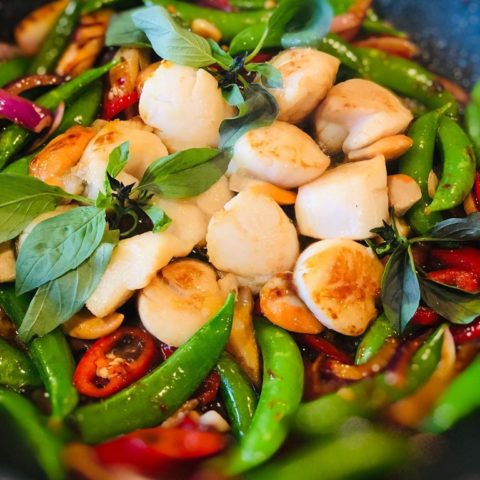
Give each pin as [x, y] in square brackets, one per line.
[22, 198]
[118, 159]
[259, 109]
[453, 304]
[58, 245]
[269, 75]
[232, 95]
[400, 288]
[462, 229]
[185, 174]
[161, 221]
[57, 301]
[312, 25]
[122, 32]
[223, 58]
[171, 41]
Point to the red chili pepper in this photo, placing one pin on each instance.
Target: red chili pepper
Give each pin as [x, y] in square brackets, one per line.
[208, 390]
[456, 277]
[262, 57]
[466, 333]
[476, 190]
[112, 107]
[426, 317]
[466, 258]
[114, 362]
[320, 345]
[216, 4]
[154, 450]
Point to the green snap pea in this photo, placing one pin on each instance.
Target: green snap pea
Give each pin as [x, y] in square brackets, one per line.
[50, 354]
[373, 24]
[374, 339]
[472, 120]
[237, 394]
[57, 40]
[13, 69]
[461, 398]
[459, 166]
[229, 23]
[326, 414]
[418, 163]
[247, 4]
[152, 399]
[16, 369]
[45, 446]
[14, 138]
[362, 454]
[90, 6]
[282, 390]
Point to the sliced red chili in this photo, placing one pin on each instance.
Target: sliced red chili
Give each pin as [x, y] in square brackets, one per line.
[114, 362]
[456, 277]
[208, 390]
[476, 190]
[113, 107]
[466, 258]
[156, 449]
[466, 333]
[320, 345]
[426, 317]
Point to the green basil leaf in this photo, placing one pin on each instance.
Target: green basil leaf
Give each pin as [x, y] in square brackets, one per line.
[453, 304]
[171, 41]
[461, 229]
[22, 198]
[311, 25]
[118, 159]
[161, 221]
[185, 174]
[222, 57]
[269, 75]
[58, 245]
[400, 288]
[232, 95]
[57, 301]
[259, 109]
[122, 32]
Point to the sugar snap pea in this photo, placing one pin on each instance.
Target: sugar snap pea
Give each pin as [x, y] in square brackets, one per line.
[459, 165]
[16, 368]
[57, 40]
[373, 24]
[50, 354]
[282, 390]
[237, 394]
[30, 425]
[13, 69]
[14, 138]
[326, 414]
[153, 398]
[418, 163]
[373, 340]
[472, 120]
[362, 454]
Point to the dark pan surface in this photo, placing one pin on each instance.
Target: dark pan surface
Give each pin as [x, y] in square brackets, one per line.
[448, 32]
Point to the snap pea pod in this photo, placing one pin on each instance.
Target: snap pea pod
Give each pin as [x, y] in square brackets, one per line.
[14, 138]
[229, 23]
[459, 166]
[326, 414]
[461, 398]
[45, 446]
[418, 163]
[374, 339]
[472, 120]
[13, 69]
[155, 397]
[282, 390]
[362, 454]
[237, 394]
[248, 4]
[373, 24]
[50, 354]
[16, 369]
[57, 40]
[90, 6]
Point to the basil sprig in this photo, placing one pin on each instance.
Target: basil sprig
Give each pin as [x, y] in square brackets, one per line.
[404, 284]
